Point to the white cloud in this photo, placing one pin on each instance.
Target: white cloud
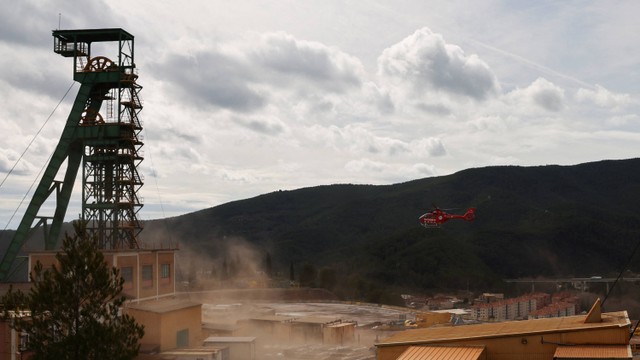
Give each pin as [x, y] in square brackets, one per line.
[604, 98]
[281, 95]
[367, 168]
[246, 74]
[360, 141]
[211, 79]
[430, 146]
[9, 162]
[630, 121]
[268, 125]
[426, 62]
[299, 61]
[541, 93]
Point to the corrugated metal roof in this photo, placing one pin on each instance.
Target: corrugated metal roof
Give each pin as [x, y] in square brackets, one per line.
[593, 352]
[507, 328]
[442, 353]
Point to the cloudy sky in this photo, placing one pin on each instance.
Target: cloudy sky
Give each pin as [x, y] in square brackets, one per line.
[248, 97]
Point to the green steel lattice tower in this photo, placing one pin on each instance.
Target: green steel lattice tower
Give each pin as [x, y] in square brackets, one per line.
[102, 133]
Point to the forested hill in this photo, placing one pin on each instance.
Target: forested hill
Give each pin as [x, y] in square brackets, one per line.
[580, 220]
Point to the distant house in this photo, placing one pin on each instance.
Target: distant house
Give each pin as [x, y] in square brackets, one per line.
[509, 309]
[591, 336]
[271, 328]
[440, 317]
[556, 309]
[339, 334]
[309, 328]
[240, 347]
[302, 330]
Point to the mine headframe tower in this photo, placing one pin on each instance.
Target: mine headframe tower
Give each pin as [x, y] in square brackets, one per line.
[103, 133]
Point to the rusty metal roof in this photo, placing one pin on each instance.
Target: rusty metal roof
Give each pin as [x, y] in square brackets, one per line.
[442, 353]
[593, 352]
[507, 328]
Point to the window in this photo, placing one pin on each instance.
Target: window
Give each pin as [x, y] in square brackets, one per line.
[147, 276]
[182, 338]
[24, 341]
[127, 274]
[165, 273]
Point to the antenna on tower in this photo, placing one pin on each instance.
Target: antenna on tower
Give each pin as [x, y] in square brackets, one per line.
[59, 20]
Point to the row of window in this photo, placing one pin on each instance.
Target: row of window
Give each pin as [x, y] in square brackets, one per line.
[126, 273]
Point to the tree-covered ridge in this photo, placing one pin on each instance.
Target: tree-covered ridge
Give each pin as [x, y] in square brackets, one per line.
[531, 221]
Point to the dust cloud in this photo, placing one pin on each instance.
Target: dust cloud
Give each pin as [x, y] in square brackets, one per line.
[242, 295]
[302, 330]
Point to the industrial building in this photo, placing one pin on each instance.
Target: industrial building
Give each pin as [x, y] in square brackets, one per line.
[595, 335]
[302, 330]
[169, 323]
[102, 142]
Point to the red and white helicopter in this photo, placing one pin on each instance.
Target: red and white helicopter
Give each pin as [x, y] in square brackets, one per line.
[437, 217]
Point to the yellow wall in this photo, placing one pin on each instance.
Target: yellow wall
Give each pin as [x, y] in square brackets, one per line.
[152, 326]
[339, 334]
[162, 328]
[189, 318]
[427, 319]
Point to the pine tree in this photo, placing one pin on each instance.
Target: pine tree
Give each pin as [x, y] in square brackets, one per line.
[268, 266]
[291, 273]
[308, 275]
[75, 307]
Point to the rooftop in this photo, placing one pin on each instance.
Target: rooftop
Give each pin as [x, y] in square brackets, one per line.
[593, 352]
[93, 35]
[442, 352]
[507, 328]
[315, 320]
[163, 306]
[229, 339]
[275, 318]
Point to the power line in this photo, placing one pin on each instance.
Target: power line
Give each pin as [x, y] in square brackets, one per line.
[36, 135]
[154, 173]
[624, 268]
[25, 151]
